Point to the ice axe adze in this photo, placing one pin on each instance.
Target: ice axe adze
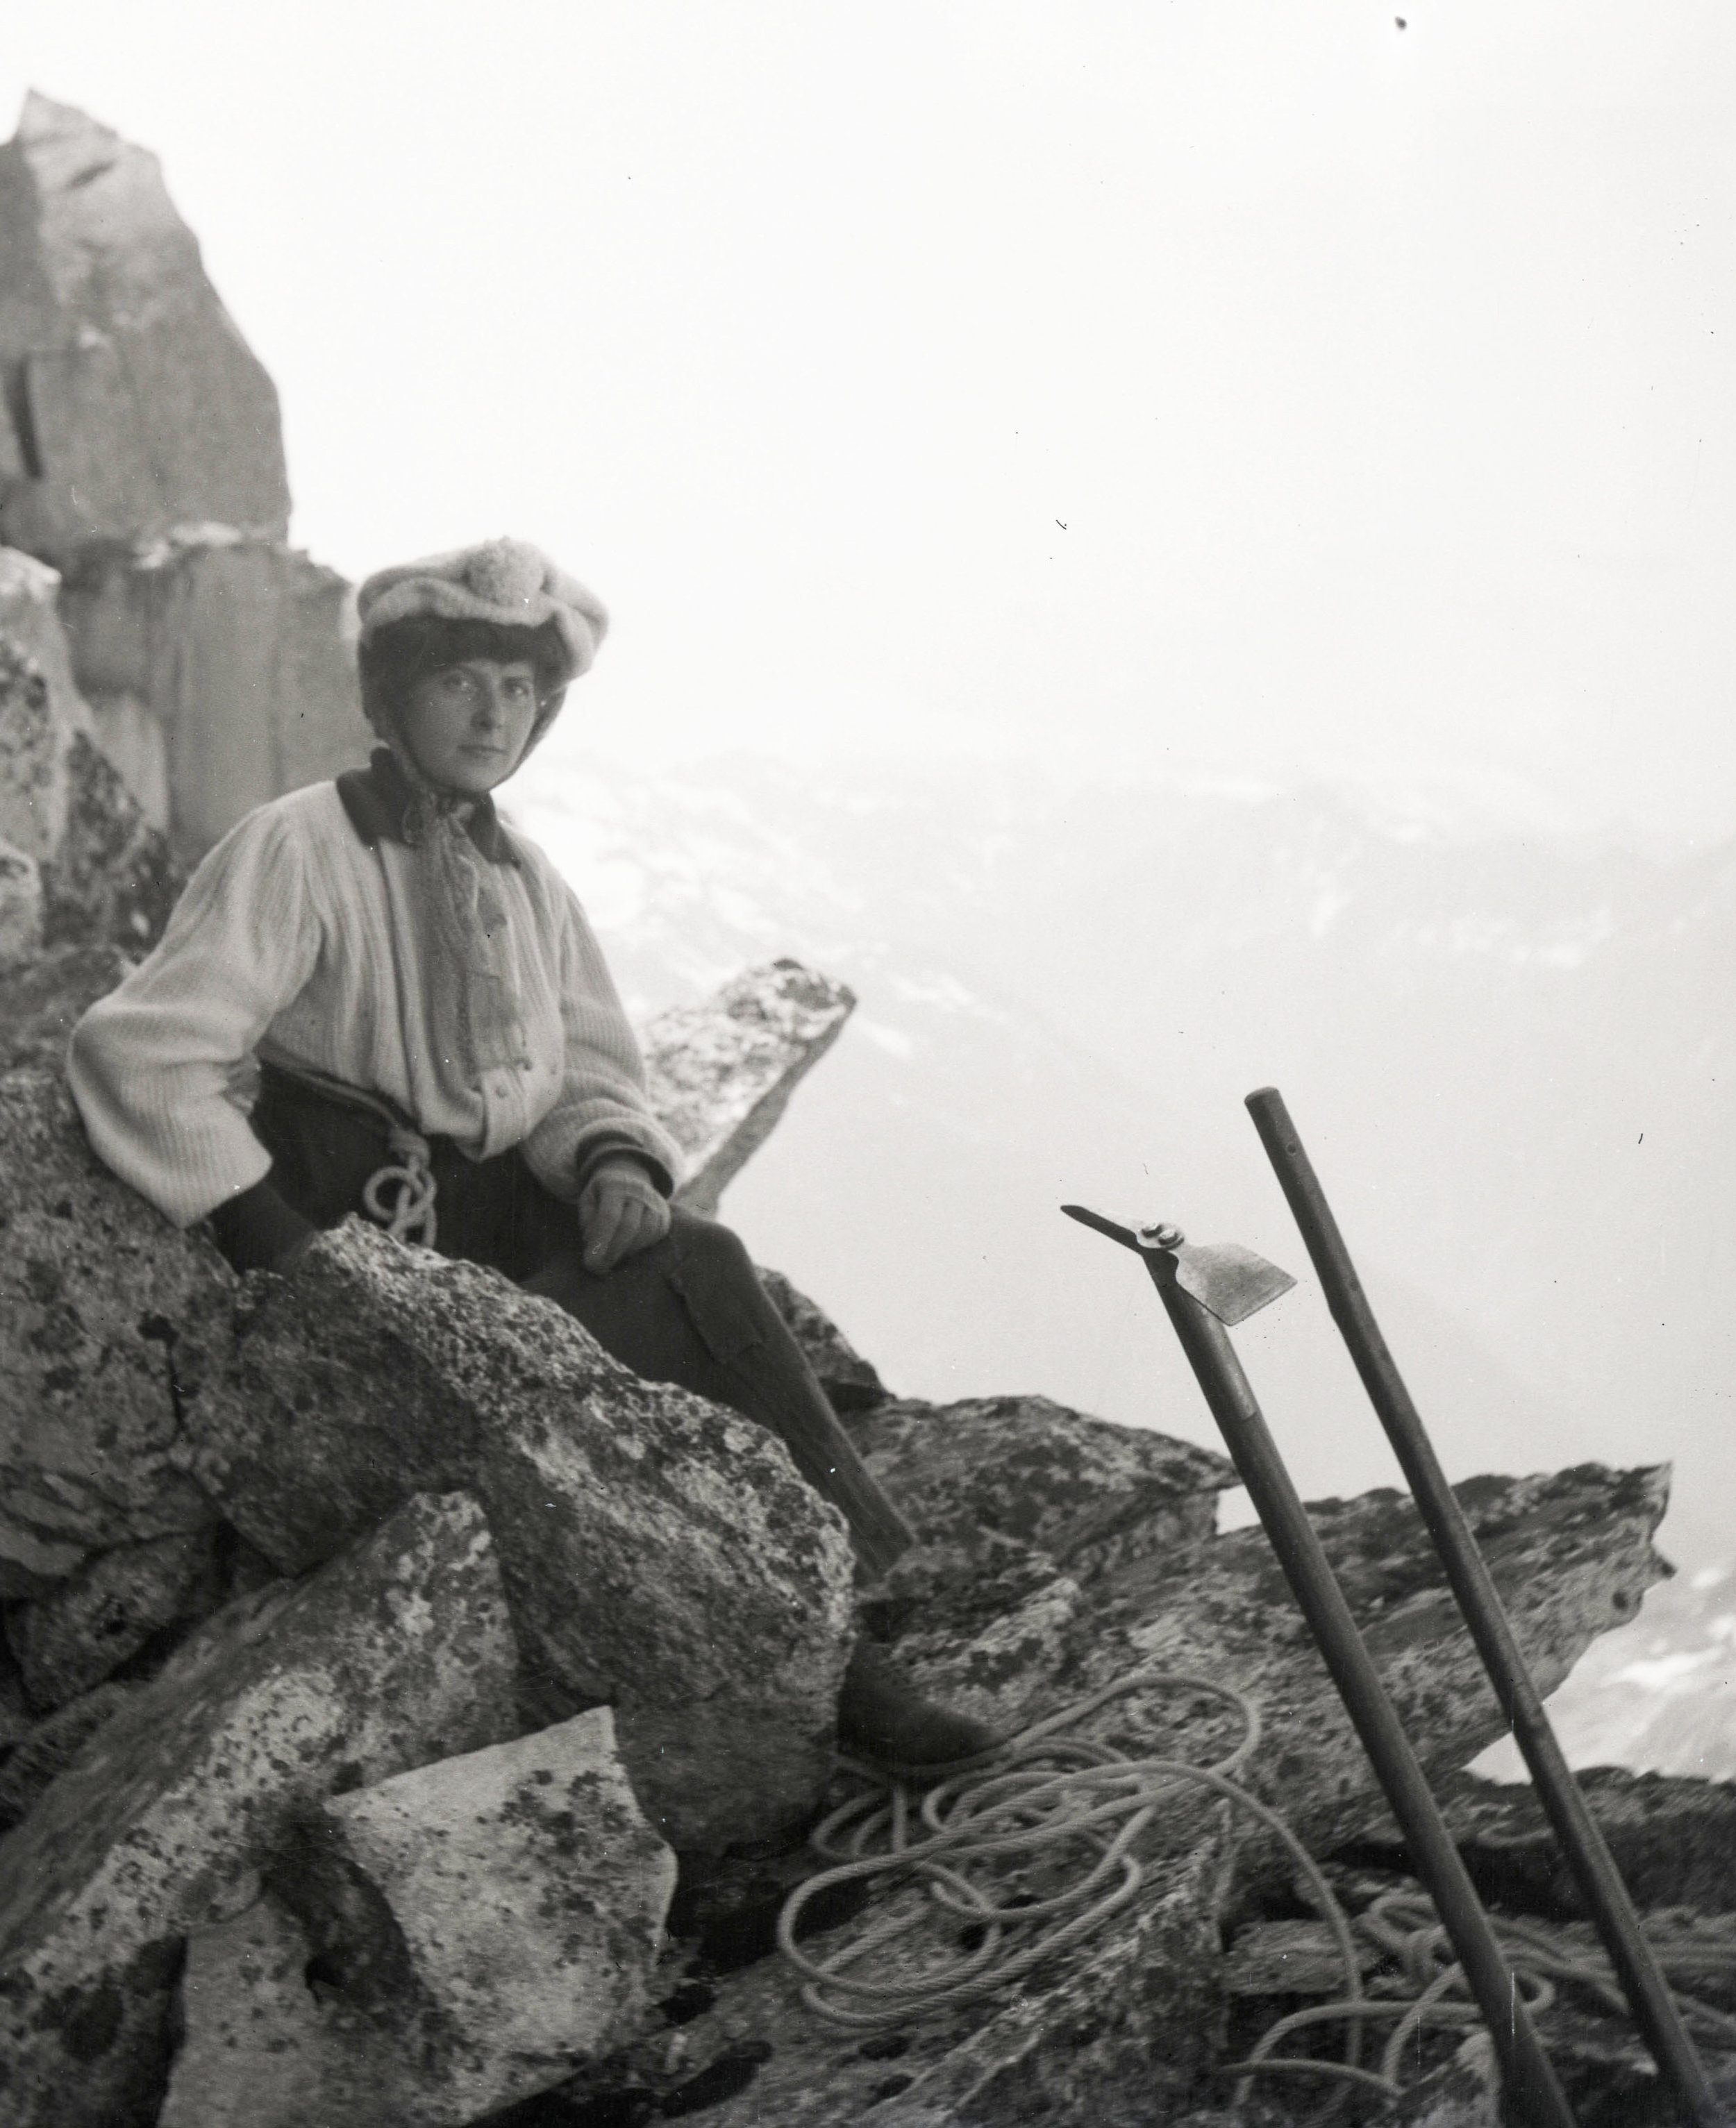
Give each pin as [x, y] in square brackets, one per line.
[1202, 1289]
[1587, 1854]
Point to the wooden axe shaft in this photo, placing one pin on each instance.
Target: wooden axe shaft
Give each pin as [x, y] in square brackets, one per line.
[1648, 1995]
[1528, 2079]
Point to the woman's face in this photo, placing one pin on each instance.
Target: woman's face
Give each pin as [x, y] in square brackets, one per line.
[467, 724]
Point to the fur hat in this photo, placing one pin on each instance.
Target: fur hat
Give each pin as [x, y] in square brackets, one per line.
[508, 582]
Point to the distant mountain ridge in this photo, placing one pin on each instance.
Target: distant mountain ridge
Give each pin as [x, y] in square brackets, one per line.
[1507, 1052]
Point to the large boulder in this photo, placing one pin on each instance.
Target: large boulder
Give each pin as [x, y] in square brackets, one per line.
[220, 673]
[721, 1073]
[141, 406]
[397, 1653]
[659, 1552]
[482, 1925]
[103, 870]
[96, 1290]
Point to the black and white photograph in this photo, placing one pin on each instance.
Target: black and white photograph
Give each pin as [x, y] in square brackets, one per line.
[867, 1108]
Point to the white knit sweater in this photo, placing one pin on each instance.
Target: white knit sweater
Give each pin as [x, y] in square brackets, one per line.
[295, 940]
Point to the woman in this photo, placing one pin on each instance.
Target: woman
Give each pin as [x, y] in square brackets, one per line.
[439, 1046]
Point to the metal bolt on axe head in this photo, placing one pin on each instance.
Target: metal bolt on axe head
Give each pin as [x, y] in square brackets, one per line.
[1228, 1281]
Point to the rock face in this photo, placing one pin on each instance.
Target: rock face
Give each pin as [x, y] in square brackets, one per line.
[515, 1897]
[1088, 1493]
[135, 405]
[21, 907]
[722, 1073]
[394, 1654]
[103, 872]
[659, 1551]
[169, 640]
[141, 453]
[42, 1000]
[70, 1638]
[1673, 1839]
[95, 1288]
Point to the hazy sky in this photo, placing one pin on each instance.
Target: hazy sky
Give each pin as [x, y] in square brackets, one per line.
[1256, 386]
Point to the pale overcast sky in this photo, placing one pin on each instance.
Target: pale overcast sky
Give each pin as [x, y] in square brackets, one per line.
[1248, 385]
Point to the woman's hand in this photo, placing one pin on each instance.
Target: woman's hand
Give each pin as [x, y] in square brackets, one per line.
[620, 1212]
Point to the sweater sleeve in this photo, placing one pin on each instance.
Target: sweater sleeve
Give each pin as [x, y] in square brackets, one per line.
[602, 1101]
[152, 1065]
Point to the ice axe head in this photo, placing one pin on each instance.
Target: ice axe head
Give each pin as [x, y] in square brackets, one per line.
[1228, 1281]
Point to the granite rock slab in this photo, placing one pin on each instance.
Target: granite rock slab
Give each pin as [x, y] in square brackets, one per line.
[497, 1916]
[659, 1552]
[721, 1073]
[1570, 1551]
[397, 1652]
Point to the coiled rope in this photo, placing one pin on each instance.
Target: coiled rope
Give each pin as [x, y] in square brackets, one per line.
[1429, 1990]
[1046, 1793]
[1049, 1793]
[410, 1216]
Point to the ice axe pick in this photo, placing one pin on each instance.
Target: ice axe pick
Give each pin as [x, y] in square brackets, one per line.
[1228, 1280]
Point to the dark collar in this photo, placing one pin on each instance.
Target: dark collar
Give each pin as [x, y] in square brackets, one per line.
[378, 799]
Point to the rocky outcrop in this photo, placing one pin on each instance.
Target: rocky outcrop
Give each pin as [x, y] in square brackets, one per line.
[1673, 1839]
[95, 1289]
[43, 999]
[169, 639]
[102, 871]
[1117, 2030]
[659, 1552]
[1088, 1493]
[722, 1073]
[1571, 1553]
[481, 1924]
[141, 453]
[134, 404]
[397, 1653]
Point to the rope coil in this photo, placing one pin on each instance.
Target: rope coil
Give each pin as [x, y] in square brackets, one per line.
[1048, 1792]
[410, 1216]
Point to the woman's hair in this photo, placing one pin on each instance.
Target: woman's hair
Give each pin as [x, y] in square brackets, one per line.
[394, 658]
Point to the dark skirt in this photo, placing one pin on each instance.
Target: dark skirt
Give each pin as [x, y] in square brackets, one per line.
[690, 1310]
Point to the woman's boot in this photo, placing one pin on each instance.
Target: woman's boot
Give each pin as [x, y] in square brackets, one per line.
[882, 1716]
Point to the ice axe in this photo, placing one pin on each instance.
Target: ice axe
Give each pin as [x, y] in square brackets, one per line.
[1203, 1288]
[1583, 1844]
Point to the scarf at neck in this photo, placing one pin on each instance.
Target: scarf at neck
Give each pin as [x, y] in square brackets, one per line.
[459, 847]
